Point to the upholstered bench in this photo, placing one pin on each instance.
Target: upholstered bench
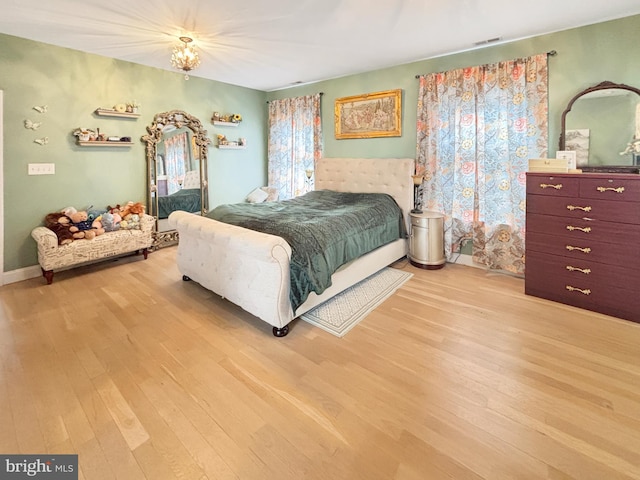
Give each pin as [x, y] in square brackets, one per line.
[52, 256]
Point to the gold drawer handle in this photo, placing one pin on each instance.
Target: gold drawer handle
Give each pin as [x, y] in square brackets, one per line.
[571, 228]
[573, 207]
[586, 291]
[604, 189]
[583, 250]
[557, 186]
[586, 271]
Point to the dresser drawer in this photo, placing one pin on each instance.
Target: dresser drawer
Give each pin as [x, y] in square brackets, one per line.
[607, 210]
[581, 272]
[622, 188]
[621, 254]
[552, 185]
[581, 229]
[584, 292]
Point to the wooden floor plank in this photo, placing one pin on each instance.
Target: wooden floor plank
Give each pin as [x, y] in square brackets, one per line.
[458, 375]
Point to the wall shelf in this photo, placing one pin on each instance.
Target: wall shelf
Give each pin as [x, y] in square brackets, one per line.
[226, 124]
[96, 143]
[103, 112]
[232, 147]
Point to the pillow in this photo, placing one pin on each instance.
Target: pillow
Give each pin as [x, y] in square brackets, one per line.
[272, 193]
[257, 196]
[191, 179]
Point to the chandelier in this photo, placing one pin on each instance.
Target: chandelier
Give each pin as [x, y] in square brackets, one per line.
[185, 57]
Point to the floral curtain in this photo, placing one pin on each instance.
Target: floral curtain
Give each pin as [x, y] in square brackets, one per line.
[295, 143]
[477, 127]
[177, 160]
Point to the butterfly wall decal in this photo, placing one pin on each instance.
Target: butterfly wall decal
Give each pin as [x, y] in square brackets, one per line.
[32, 125]
[41, 108]
[42, 141]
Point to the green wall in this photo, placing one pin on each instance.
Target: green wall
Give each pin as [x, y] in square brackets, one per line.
[611, 125]
[73, 84]
[585, 56]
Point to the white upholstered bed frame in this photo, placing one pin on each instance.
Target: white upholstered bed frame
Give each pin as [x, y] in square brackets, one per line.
[251, 269]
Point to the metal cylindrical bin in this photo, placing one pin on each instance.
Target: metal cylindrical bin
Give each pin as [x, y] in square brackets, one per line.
[426, 240]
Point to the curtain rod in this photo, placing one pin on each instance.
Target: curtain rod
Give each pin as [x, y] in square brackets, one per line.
[551, 53]
[319, 93]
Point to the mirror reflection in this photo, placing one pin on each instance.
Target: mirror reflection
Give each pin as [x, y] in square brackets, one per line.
[178, 174]
[602, 124]
[177, 169]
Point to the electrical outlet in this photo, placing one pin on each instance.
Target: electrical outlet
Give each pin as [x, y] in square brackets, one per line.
[42, 169]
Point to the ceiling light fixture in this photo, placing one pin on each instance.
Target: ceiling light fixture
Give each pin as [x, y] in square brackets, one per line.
[185, 57]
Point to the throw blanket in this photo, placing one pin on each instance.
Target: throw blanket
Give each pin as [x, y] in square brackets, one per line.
[325, 230]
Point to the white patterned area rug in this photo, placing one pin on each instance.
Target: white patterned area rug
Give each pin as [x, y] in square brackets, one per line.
[341, 313]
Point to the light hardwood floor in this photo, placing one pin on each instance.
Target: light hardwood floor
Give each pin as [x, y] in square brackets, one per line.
[458, 376]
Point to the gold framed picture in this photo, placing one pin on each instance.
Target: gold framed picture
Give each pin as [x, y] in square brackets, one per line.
[370, 115]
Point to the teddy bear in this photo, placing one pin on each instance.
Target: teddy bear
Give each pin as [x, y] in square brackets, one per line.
[59, 224]
[81, 225]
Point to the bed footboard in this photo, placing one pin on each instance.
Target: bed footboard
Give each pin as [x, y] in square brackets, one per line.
[249, 268]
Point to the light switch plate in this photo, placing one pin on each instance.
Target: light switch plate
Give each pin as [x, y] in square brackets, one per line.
[42, 169]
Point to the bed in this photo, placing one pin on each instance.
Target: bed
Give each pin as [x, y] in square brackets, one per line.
[252, 269]
[187, 199]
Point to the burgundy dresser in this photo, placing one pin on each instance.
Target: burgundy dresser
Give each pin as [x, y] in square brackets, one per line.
[583, 241]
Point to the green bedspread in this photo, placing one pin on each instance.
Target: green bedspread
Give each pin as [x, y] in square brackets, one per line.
[325, 230]
[187, 199]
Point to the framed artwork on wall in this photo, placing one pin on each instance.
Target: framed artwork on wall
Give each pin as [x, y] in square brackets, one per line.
[370, 115]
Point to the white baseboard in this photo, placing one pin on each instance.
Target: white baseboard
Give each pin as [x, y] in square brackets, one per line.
[21, 274]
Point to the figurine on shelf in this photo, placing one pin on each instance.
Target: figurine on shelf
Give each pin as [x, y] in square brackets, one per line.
[132, 107]
[242, 141]
[230, 118]
[222, 140]
[84, 134]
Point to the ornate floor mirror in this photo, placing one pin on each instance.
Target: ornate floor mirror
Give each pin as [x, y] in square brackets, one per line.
[177, 148]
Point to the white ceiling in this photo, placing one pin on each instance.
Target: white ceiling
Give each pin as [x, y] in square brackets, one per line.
[272, 44]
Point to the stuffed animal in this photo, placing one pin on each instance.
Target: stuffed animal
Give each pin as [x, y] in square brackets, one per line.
[137, 208]
[115, 209]
[81, 225]
[131, 222]
[131, 208]
[110, 221]
[59, 224]
[124, 209]
[96, 225]
[94, 213]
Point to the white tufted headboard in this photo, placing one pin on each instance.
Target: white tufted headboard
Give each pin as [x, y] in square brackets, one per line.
[369, 175]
